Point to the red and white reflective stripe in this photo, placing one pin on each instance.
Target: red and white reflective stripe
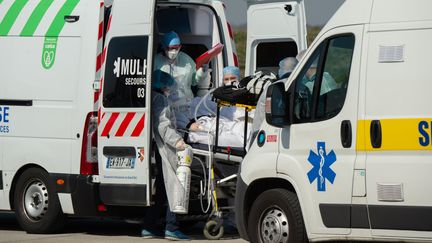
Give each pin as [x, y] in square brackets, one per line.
[234, 48]
[103, 58]
[117, 124]
[99, 53]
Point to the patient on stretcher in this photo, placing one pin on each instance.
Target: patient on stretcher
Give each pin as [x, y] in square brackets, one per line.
[231, 122]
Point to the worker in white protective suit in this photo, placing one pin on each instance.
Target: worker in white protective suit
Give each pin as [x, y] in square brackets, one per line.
[183, 69]
[168, 142]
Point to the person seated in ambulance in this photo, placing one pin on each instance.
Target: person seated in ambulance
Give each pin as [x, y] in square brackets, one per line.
[231, 122]
[304, 90]
[286, 67]
[183, 69]
[328, 84]
[168, 142]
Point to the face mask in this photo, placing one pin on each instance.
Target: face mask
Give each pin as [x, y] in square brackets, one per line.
[172, 54]
[231, 81]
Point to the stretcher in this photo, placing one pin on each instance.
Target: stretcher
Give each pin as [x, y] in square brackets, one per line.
[219, 189]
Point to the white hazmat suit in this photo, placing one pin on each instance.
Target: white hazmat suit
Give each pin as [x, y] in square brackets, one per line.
[183, 70]
[166, 138]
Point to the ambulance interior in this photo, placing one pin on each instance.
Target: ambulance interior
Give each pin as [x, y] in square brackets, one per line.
[199, 30]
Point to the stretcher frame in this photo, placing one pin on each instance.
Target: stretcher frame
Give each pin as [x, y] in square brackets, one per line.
[221, 153]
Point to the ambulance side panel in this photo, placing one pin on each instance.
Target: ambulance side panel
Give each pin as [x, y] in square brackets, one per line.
[46, 77]
[397, 129]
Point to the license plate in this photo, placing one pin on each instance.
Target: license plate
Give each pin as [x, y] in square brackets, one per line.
[120, 163]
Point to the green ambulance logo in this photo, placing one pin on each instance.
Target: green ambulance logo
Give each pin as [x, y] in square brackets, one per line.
[37, 15]
[49, 52]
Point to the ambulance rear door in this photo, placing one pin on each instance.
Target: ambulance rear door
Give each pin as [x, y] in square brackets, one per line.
[124, 131]
[275, 30]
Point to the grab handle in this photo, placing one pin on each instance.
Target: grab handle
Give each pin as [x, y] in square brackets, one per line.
[376, 134]
[346, 134]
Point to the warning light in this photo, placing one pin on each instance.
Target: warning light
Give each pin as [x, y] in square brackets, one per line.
[60, 182]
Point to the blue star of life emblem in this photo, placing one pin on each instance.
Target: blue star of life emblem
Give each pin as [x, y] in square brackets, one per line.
[321, 170]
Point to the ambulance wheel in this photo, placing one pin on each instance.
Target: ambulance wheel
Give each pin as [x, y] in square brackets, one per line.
[210, 231]
[276, 216]
[36, 204]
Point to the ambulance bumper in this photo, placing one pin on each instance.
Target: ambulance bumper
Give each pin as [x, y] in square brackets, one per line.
[86, 197]
[239, 208]
[84, 193]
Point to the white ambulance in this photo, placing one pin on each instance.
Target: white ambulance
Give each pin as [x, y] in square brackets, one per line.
[64, 150]
[346, 152]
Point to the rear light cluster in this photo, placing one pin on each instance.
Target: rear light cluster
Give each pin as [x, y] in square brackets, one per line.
[89, 159]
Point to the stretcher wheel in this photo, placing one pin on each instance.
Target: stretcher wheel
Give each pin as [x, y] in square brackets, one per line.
[210, 231]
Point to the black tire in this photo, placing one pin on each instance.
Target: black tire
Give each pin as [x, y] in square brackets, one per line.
[276, 216]
[51, 219]
[210, 228]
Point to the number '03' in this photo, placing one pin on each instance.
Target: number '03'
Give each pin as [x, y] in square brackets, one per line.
[425, 130]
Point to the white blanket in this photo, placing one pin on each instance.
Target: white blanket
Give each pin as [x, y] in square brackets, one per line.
[231, 133]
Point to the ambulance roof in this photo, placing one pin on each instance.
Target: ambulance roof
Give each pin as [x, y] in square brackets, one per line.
[380, 11]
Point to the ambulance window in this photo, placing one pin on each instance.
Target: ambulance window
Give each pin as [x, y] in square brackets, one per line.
[173, 19]
[125, 73]
[269, 54]
[305, 83]
[334, 81]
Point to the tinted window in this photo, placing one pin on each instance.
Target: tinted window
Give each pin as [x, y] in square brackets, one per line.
[321, 87]
[269, 54]
[173, 19]
[335, 77]
[125, 73]
[305, 84]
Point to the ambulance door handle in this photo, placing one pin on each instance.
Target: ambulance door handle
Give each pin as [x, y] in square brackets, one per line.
[376, 134]
[346, 134]
[71, 18]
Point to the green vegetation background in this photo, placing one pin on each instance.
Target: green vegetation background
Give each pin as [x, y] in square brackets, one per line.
[240, 38]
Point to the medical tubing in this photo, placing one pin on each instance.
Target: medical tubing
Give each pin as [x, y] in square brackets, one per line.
[203, 99]
[205, 187]
[206, 183]
[205, 104]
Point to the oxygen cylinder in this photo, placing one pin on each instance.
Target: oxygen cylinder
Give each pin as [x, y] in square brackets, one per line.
[183, 173]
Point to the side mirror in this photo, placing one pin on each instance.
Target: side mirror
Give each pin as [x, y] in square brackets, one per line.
[277, 106]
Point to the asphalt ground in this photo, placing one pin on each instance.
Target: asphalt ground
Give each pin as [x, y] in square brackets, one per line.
[94, 230]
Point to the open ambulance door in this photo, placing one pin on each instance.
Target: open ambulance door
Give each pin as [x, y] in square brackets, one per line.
[124, 131]
[275, 29]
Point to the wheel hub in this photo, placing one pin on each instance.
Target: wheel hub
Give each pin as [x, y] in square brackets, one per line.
[36, 197]
[36, 200]
[274, 226]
